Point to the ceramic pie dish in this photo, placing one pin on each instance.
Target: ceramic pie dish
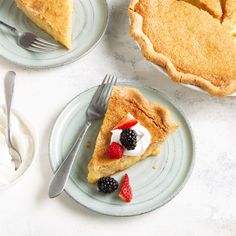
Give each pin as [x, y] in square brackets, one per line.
[193, 87]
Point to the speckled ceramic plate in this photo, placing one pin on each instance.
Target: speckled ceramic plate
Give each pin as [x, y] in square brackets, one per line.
[90, 21]
[155, 181]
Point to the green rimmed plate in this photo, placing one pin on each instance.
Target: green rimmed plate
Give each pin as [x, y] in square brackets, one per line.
[155, 181]
[90, 21]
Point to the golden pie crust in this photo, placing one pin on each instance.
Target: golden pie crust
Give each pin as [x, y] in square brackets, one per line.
[153, 117]
[192, 39]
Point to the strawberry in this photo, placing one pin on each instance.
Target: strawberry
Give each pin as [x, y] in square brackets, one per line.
[115, 151]
[125, 190]
[127, 122]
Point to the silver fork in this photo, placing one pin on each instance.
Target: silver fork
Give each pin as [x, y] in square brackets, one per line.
[31, 42]
[95, 111]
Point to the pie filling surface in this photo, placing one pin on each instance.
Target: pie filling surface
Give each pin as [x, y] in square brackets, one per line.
[193, 39]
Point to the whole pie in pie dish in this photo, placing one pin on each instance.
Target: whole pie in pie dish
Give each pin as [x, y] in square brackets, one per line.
[132, 130]
[194, 40]
[53, 16]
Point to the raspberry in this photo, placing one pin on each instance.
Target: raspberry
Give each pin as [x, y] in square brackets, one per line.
[115, 151]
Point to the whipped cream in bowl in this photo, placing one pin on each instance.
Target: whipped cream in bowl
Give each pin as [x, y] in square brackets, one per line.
[23, 139]
[143, 140]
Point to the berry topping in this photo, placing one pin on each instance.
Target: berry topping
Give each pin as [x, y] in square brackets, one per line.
[125, 190]
[115, 151]
[128, 139]
[127, 122]
[107, 184]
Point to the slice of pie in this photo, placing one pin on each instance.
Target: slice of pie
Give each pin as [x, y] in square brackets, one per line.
[53, 16]
[190, 39]
[152, 117]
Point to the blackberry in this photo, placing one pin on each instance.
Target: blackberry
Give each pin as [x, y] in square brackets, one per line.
[107, 184]
[128, 138]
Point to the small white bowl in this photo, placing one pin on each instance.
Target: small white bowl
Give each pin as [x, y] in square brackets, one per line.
[31, 129]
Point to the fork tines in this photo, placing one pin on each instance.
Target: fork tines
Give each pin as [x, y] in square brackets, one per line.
[108, 83]
[41, 45]
[103, 91]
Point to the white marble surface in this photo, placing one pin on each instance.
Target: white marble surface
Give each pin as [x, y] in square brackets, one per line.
[206, 206]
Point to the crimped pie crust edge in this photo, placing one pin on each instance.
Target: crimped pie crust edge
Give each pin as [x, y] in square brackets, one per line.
[147, 49]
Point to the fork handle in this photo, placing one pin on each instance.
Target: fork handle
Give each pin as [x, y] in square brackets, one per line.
[62, 174]
[9, 27]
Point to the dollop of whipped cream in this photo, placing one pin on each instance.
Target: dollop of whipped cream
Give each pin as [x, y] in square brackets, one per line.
[22, 140]
[143, 140]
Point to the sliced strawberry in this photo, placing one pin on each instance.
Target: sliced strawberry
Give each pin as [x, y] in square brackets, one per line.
[115, 151]
[125, 190]
[127, 122]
